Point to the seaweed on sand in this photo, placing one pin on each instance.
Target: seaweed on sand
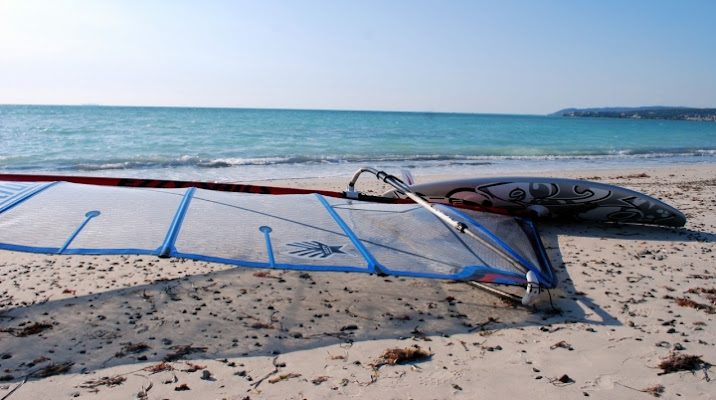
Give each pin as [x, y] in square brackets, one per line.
[397, 355]
[681, 362]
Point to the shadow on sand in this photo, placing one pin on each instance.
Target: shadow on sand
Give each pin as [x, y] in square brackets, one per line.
[238, 312]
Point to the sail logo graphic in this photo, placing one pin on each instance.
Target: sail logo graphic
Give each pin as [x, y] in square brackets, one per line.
[315, 249]
[10, 191]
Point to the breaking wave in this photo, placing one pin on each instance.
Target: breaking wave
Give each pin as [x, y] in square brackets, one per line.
[405, 161]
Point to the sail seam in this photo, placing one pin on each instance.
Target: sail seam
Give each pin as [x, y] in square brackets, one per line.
[372, 262]
[168, 246]
[26, 196]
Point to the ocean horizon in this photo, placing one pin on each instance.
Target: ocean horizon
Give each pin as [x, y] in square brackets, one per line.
[243, 145]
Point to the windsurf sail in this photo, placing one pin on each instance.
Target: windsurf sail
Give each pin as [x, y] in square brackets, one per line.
[293, 231]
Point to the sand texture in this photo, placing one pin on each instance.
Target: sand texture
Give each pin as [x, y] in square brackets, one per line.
[632, 317]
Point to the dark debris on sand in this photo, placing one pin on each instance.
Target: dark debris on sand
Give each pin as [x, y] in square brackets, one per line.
[104, 381]
[51, 370]
[33, 329]
[655, 391]
[132, 348]
[686, 302]
[182, 351]
[681, 362]
[397, 355]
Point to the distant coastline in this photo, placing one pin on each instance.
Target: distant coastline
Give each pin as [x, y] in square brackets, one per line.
[657, 112]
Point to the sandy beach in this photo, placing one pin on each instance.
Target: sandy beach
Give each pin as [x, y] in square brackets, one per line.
[632, 300]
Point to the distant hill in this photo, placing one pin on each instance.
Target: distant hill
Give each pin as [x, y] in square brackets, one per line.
[653, 112]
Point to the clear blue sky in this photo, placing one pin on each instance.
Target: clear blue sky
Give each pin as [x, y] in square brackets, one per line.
[521, 57]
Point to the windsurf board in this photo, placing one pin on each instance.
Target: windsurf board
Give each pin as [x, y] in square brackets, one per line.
[552, 198]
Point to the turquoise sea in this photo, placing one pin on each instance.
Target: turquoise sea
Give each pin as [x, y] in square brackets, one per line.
[243, 145]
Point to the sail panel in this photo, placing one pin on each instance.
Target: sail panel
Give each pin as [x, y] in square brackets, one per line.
[306, 231]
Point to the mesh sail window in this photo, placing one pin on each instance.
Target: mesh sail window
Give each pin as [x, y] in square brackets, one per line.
[306, 231]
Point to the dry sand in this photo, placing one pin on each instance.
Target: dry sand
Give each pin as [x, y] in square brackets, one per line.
[129, 327]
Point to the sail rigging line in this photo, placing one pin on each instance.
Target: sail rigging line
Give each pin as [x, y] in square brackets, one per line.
[490, 289]
[256, 230]
[165, 250]
[459, 226]
[88, 217]
[322, 199]
[269, 247]
[14, 200]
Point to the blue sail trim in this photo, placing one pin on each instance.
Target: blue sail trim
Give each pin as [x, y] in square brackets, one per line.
[534, 235]
[56, 250]
[167, 248]
[527, 264]
[269, 248]
[489, 234]
[29, 249]
[373, 264]
[295, 267]
[128, 251]
[77, 231]
[501, 277]
[467, 273]
[23, 195]
[164, 244]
